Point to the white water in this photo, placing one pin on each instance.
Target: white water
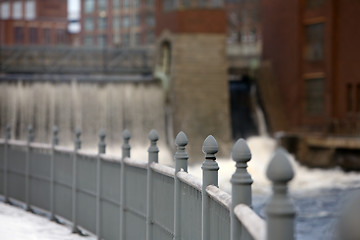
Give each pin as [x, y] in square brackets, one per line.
[306, 179]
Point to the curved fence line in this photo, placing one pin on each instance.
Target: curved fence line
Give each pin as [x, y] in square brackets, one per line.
[119, 198]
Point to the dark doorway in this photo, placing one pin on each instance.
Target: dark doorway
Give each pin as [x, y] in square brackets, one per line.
[242, 121]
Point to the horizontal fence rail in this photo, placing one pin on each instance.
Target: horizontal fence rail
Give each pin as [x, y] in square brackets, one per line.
[120, 198]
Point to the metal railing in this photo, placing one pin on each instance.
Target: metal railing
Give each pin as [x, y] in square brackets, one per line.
[121, 198]
[75, 60]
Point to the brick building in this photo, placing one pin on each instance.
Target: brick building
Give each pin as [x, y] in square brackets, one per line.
[33, 22]
[117, 22]
[311, 48]
[192, 64]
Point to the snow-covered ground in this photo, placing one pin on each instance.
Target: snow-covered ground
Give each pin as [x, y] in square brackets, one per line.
[17, 224]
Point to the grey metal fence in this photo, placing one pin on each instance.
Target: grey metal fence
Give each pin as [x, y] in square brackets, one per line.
[120, 198]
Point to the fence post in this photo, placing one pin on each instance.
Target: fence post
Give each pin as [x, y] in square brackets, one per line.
[55, 142]
[27, 168]
[77, 146]
[241, 186]
[125, 154]
[280, 210]
[180, 158]
[101, 150]
[348, 221]
[153, 157]
[210, 177]
[6, 161]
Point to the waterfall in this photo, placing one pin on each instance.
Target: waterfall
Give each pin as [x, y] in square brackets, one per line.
[90, 106]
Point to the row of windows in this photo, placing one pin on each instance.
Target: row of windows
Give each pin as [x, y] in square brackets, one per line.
[315, 97]
[17, 10]
[34, 38]
[89, 22]
[172, 4]
[89, 5]
[124, 39]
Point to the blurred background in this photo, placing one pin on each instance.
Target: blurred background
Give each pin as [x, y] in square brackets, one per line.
[275, 72]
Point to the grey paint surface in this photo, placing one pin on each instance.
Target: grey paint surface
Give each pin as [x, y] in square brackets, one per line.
[96, 174]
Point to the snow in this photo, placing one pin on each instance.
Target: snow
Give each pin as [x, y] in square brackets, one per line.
[17, 224]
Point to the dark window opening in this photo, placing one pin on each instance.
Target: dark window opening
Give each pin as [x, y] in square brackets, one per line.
[314, 44]
[314, 96]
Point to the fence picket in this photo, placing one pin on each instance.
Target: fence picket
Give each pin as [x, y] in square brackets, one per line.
[27, 168]
[77, 146]
[210, 177]
[280, 210]
[101, 150]
[241, 187]
[180, 158]
[153, 158]
[125, 154]
[55, 142]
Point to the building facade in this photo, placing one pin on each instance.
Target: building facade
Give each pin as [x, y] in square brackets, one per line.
[33, 22]
[123, 23]
[311, 47]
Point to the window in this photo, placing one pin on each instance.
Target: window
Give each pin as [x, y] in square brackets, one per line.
[19, 35]
[314, 48]
[5, 10]
[60, 36]
[137, 39]
[116, 4]
[89, 6]
[150, 37]
[116, 23]
[125, 39]
[101, 41]
[137, 20]
[314, 3]
[88, 41]
[150, 3]
[102, 5]
[136, 3]
[89, 24]
[17, 12]
[102, 23]
[314, 96]
[126, 3]
[116, 38]
[30, 10]
[150, 20]
[126, 21]
[46, 36]
[33, 35]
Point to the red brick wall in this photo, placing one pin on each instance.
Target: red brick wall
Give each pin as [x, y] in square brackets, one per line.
[348, 55]
[281, 46]
[51, 8]
[190, 20]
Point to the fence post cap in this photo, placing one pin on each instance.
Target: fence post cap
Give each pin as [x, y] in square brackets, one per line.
[279, 168]
[55, 130]
[102, 134]
[210, 146]
[77, 132]
[126, 134]
[153, 135]
[30, 133]
[181, 139]
[241, 151]
[8, 131]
